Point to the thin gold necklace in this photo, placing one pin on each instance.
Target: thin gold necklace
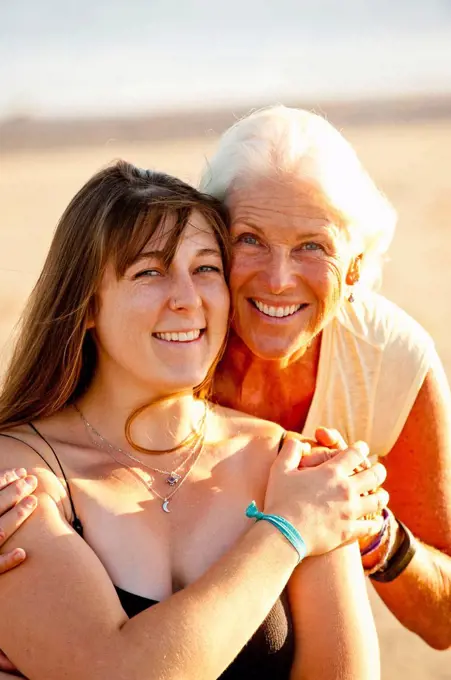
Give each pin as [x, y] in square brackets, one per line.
[172, 476]
[148, 484]
[174, 480]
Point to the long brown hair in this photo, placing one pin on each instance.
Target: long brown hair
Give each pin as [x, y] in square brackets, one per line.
[110, 219]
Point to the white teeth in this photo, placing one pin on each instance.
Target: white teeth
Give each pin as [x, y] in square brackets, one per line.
[276, 311]
[179, 337]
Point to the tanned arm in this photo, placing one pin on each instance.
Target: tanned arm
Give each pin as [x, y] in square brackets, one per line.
[419, 483]
[334, 628]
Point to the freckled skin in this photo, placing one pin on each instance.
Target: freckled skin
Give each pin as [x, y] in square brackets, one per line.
[270, 371]
[190, 294]
[288, 248]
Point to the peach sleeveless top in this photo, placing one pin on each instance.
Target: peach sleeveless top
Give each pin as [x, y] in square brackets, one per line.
[374, 358]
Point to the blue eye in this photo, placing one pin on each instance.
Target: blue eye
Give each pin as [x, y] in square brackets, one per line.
[312, 245]
[250, 239]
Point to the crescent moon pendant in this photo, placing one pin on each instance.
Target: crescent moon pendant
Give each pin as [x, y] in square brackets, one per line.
[165, 506]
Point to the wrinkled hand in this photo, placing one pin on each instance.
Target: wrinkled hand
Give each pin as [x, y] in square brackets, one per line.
[326, 445]
[16, 505]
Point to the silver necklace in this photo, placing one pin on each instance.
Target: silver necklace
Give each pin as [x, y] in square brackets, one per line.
[148, 484]
[172, 476]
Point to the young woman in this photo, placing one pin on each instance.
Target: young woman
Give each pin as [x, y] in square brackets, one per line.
[141, 560]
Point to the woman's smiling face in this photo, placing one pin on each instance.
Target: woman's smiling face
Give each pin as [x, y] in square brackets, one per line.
[290, 263]
[161, 326]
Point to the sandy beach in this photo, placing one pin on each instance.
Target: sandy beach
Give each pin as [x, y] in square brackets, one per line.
[411, 164]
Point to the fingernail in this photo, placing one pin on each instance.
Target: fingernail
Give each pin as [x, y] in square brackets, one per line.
[18, 554]
[30, 502]
[30, 480]
[20, 472]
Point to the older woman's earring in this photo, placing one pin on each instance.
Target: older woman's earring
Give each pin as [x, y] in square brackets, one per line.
[353, 277]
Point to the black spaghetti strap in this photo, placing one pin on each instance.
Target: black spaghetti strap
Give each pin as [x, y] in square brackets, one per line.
[11, 436]
[35, 429]
[282, 441]
[76, 524]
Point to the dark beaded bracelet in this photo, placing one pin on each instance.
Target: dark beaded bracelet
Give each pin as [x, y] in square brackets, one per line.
[400, 559]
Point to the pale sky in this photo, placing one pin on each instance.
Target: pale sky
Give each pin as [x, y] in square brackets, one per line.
[91, 57]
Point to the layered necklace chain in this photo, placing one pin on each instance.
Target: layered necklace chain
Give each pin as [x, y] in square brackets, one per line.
[173, 478]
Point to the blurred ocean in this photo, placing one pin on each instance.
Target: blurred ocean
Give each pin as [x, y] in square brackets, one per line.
[122, 57]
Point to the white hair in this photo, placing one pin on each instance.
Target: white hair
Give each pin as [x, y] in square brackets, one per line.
[304, 145]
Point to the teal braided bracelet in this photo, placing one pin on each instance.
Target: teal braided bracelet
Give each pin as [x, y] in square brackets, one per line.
[283, 525]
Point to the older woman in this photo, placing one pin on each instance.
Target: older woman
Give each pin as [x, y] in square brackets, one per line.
[311, 344]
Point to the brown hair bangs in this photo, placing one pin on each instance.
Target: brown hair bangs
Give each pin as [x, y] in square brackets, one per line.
[111, 219]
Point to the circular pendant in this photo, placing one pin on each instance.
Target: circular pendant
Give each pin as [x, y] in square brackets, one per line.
[165, 506]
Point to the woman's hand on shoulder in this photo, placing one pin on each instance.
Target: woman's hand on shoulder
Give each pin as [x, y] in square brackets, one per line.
[16, 504]
[327, 503]
[327, 444]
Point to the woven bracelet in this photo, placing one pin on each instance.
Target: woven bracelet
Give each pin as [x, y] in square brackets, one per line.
[283, 525]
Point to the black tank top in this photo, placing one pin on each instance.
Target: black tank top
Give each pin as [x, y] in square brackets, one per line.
[268, 655]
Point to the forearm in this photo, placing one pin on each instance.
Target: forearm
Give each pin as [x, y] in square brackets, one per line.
[420, 597]
[419, 484]
[338, 639]
[203, 628]
[194, 634]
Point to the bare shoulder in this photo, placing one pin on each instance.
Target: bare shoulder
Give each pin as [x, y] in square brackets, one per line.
[236, 424]
[20, 447]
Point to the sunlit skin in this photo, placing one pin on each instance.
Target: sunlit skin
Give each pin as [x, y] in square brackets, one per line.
[288, 250]
[270, 370]
[157, 555]
[137, 310]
